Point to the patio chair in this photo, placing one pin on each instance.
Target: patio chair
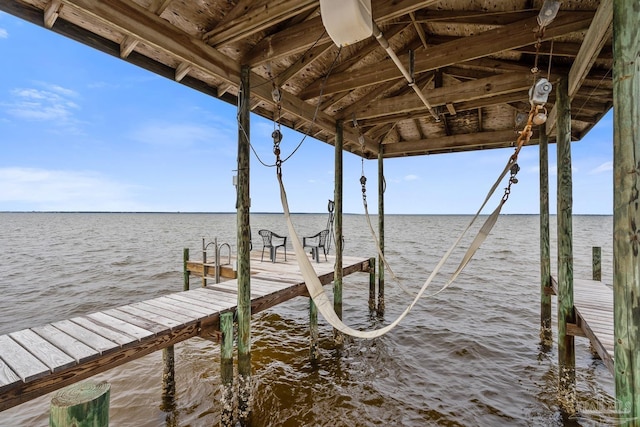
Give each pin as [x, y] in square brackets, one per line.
[272, 241]
[316, 242]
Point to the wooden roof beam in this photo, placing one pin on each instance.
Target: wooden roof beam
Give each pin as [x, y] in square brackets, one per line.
[598, 33]
[298, 38]
[255, 20]
[454, 142]
[304, 61]
[509, 37]
[459, 107]
[467, 91]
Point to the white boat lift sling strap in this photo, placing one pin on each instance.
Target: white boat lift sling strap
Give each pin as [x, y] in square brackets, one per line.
[316, 290]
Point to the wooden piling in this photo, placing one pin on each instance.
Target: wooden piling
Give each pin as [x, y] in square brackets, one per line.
[226, 369]
[372, 284]
[626, 209]
[185, 269]
[313, 330]
[566, 314]
[381, 188]
[168, 377]
[596, 263]
[244, 279]
[81, 405]
[546, 334]
[337, 278]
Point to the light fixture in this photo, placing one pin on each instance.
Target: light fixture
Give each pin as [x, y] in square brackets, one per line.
[347, 21]
[548, 12]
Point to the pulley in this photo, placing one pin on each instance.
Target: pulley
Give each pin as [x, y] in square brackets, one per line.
[277, 136]
[539, 92]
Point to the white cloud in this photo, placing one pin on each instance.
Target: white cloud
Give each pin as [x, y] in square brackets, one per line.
[43, 189]
[411, 177]
[604, 167]
[51, 103]
[4, 34]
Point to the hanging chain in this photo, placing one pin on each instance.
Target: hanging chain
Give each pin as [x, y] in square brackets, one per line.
[363, 178]
[277, 133]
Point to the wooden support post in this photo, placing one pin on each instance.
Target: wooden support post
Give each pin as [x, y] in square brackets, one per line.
[226, 369]
[244, 279]
[337, 279]
[372, 284]
[168, 377]
[566, 314]
[81, 405]
[381, 188]
[626, 209]
[546, 334]
[596, 263]
[313, 330]
[185, 271]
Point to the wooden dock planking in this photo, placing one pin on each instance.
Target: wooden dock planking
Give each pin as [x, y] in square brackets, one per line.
[23, 363]
[42, 359]
[119, 325]
[593, 303]
[68, 344]
[138, 321]
[47, 353]
[7, 376]
[107, 333]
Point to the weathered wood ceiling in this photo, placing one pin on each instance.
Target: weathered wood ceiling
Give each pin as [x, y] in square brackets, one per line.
[472, 60]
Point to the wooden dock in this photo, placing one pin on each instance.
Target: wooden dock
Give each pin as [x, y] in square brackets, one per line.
[593, 304]
[42, 359]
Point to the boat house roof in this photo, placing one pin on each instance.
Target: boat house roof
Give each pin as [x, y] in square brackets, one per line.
[472, 60]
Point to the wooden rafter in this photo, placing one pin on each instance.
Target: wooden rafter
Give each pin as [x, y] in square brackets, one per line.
[51, 12]
[468, 91]
[128, 44]
[304, 61]
[255, 20]
[159, 6]
[465, 141]
[489, 42]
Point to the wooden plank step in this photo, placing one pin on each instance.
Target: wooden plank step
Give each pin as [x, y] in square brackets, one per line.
[47, 353]
[68, 344]
[20, 360]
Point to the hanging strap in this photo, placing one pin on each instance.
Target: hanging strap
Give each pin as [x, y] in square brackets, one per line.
[317, 292]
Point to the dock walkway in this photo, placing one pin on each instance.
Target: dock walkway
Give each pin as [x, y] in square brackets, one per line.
[593, 303]
[42, 359]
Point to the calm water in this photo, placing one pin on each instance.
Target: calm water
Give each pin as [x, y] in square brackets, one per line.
[469, 356]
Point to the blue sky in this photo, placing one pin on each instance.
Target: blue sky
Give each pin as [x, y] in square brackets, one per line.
[83, 131]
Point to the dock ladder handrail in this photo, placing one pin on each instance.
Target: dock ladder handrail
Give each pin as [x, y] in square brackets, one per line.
[216, 254]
